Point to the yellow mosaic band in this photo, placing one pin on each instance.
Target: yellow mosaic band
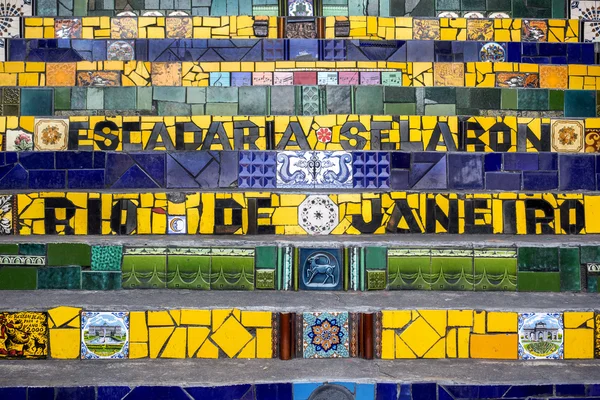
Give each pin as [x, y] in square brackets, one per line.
[247, 213]
[415, 74]
[348, 132]
[360, 27]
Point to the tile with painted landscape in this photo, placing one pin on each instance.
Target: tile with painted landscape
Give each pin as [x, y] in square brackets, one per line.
[104, 335]
[23, 334]
[325, 335]
[540, 336]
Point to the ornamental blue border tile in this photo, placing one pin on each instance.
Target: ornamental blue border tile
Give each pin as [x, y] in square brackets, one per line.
[325, 335]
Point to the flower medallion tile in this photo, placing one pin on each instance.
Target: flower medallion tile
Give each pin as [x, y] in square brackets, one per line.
[325, 335]
[320, 269]
[540, 336]
[51, 133]
[585, 9]
[493, 52]
[324, 134]
[104, 335]
[18, 140]
[318, 215]
[23, 334]
[567, 136]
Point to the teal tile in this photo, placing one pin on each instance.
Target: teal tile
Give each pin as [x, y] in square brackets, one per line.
[120, 98]
[18, 278]
[252, 100]
[590, 254]
[538, 282]
[59, 278]
[95, 98]
[95, 280]
[144, 98]
[376, 257]
[106, 258]
[170, 108]
[196, 95]
[221, 109]
[220, 94]
[266, 257]
[32, 249]
[532, 99]
[63, 254]
[368, 99]
[543, 259]
[570, 270]
[169, 93]
[447, 5]
[592, 284]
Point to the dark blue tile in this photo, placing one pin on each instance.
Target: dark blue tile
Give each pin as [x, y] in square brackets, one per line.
[588, 54]
[116, 165]
[470, 52]
[574, 55]
[529, 49]
[40, 393]
[85, 179]
[534, 180]
[443, 394]
[548, 161]
[274, 391]
[513, 52]
[492, 391]
[428, 172]
[74, 159]
[552, 49]
[580, 103]
[502, 181]
[98, 50]
[134, 178]
[157, 393]
[574, 398]
[521, 162]
[399, 179]
[112, 392]
[465, 171]
[386, 391]
[99, 159]
[593, 390]
[463, 391]
[152, 164]
[424, 391]
[219, 392]
[426, 157]
[558, 60]
[16, 178]
[569, 390]
[229, 169]
[577, 172]
[16, 393]
[47, 179]
[17, 50]
[37, 159]
[493, 162]
[420, 51]
[11, 157]
[400, 160]
[76, 393]
[529, 390]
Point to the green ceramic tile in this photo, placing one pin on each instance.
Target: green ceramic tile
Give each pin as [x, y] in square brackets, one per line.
[389, 78]
[59, 278]
[32, 249]
[232, 273]
[399, 94]
[78, 98]
[95, 98]
[170, 108]
[479, 98]
[18, 278]
[557, 100]
[95, 280]
[368, 100]
[252, 100]
[538, 282]
[265, 279]
[220, 94]
[440, 95]
[266, 257]
[533, 99]
[197, 109]
[62, 254]
[221, 109]
[499, 5]
[543, 259]
[376, 257]
[476, 5]
[144, 98]
[80, 7]
[196, 95]
[447, 5]
[188, 272]
[9, 249]
[62, 98]
[400, 109]
[509, 99]
[376, 280]
[451, 273]
[120, 98]
[495, 274]
[169, 93]
[440, 109]
[411, 271]
[558, 9]
[570, 270]
[106, 258]
[592, 284]
[144, 271]
[589, 254]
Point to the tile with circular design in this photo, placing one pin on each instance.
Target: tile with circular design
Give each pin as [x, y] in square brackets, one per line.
[60, 74]
[567, 136]
[51, 133]
[124, 28]
[325, 335]
[554, 76]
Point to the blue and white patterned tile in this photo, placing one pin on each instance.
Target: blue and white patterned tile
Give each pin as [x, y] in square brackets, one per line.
[541, 336]
[325, 335]
[104, 335]
[333, 170]
[295, 169]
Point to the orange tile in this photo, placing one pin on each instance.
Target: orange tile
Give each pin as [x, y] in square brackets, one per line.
[502, 346]
[60, 74]
[166, 74]
[554, 76]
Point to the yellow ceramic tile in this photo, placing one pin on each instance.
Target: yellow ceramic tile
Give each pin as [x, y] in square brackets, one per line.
[437, 319]
[195, 317]
[463, 342]
[177, 344]
[138, 330]
[576, 319]
[256, 319]
[395, 319]
[231, 337]
[438, 350]
[419, 336]
[451, 349]
[61, 315]
[402, 350]
[387, 344]
[138, 350]
[579, 343]
[157, 339]
[460, 317]
[65, 343]
[208, 350]
[264, 340]
[159, 318]
[502, 346]
[196, 337]
[218, 317]
[501, 321]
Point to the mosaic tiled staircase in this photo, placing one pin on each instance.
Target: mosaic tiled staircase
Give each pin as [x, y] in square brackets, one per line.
[199, 198]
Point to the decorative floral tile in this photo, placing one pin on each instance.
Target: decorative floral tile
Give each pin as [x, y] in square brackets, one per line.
[325, 335]
[179, 27]
[585, 9]
[517, 80]
[592, 140]
[104, 335]
[480, 29]
[67, 28]
[51, 133]
[567, 136]
[554, 76]
[534, 30]
[499, 15]
[321, 269]
[426, 29]
[18, 140]
[591, 31]
[123, 28]
[295, 169]
[540, 336]
[6, 215]
[166, 74]
[99, 78]
[23, 334]
[61, 74]
[16, 8]
[332, 169]
[318, 215]
[120, 50]
[449, 74]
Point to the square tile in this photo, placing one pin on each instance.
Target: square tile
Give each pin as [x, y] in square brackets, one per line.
[332, 169]
[426, 29]
[24, 334]
[449, 74]
[321, 269]
[347, 78]
[409, 269]
[451, 269]
[232, 269]
[107, 258]
[241, 78]
[370, 78]
[67, 28]
[283, 78]
[178, 27]
[592, 140]
[376, 280]
[389, 78]
[295, 169]
[166, 74]
[585, 9]
[177, 225]
[104, 335]
[120, 50]
[554, 76]
[480, 29]
[265, 279]
[18, 140]
[144, 268]
[495, 269]
[300, 8]
[534, 30]
[371, 169]
[60, 74]
[189, 268]
[220, 79]
[257, 169]
[325, 335]
[540, 336]
[51, 134]
[124, 28]
[318, 215]
[567, 136]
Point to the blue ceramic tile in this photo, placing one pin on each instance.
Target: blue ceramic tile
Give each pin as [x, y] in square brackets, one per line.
[116, 165]
[428, 171]
[465, 171]
[399, 179]
[534, 180]
[420, 51]
[513, 52]
[16, 178]
[112, 392]
[85, 179]
[99, 159]
[569, 390]
[424, 391]
[75, 393]
[400, 159]
[493, 162]
[529, 49]
[257, 169]
[17, 50]
[577, 172]
[492, 391]
[580, 103]
[157, 393]
[219, 392]
[529, 390]
[134, 178]
[152, 164]
[302, 391]
[274, 391]
[386, 391]
[303, 49]
[74, 159]
[37, 159]
[365, 391]
[40, 393]
[521, 162]
[334, 50]
[10, 157]
[370, 169]
[443, 394]
[502, 181]
[548, 161]
[47, 179]
[13, 393]
[320, 269]
[593, 390]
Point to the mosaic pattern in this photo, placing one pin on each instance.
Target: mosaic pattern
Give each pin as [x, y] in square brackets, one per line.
[325, 335]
